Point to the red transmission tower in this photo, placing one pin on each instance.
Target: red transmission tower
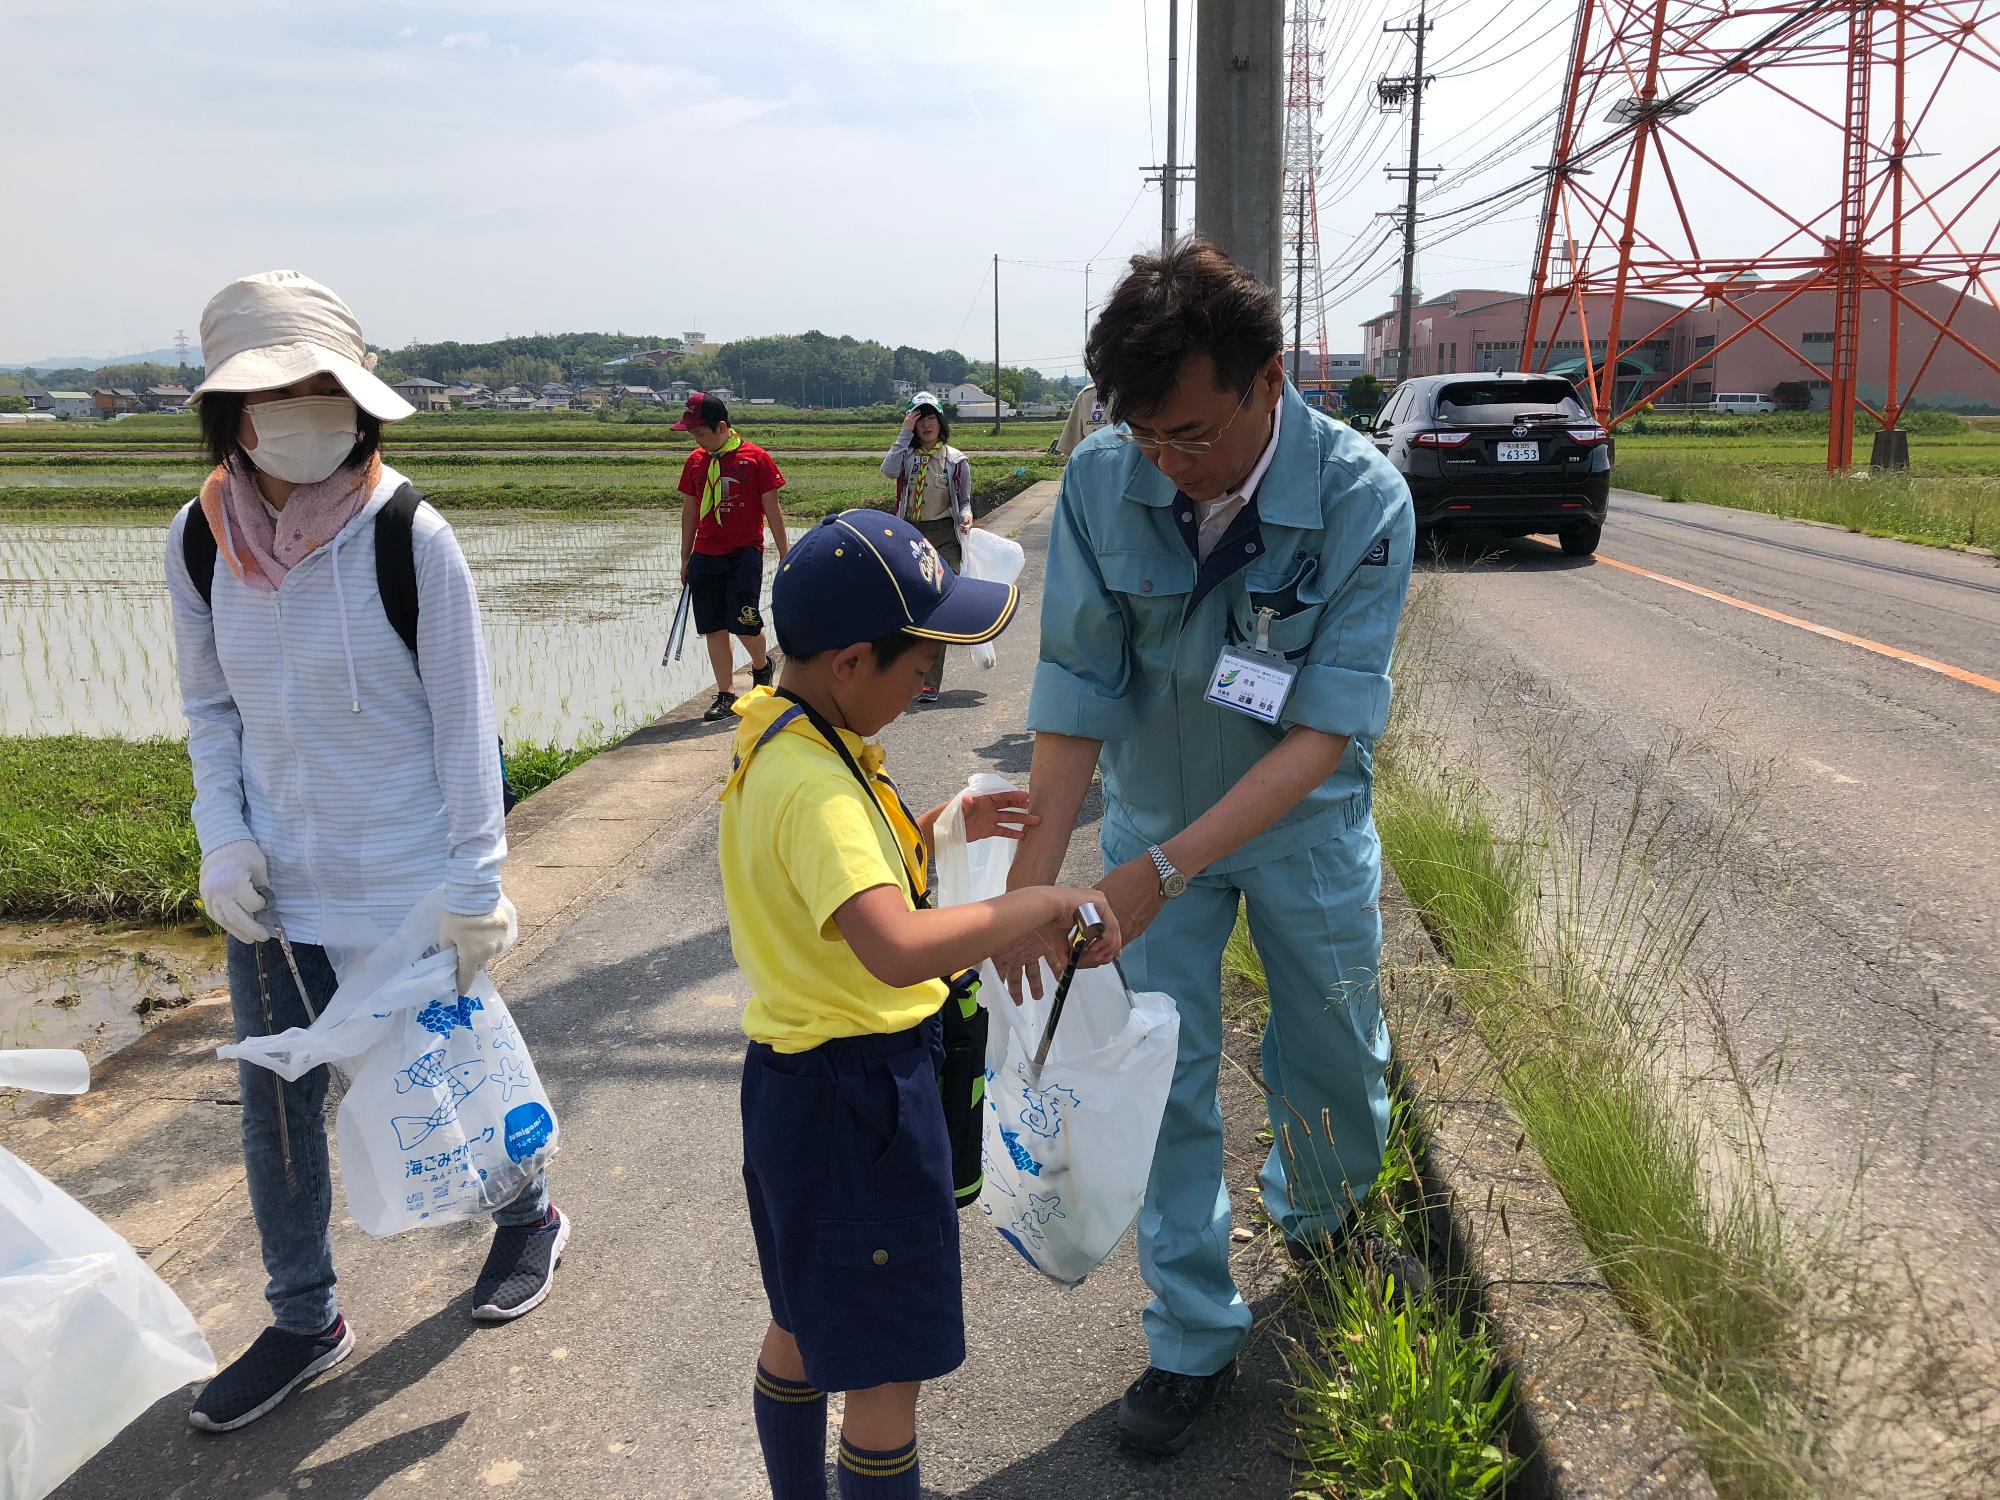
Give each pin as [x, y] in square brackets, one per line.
[1649, 197]
[1305, 78]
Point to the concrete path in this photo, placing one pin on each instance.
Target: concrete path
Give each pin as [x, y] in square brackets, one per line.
[633, 1380]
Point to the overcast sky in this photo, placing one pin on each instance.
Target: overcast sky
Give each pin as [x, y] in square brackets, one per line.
[466, 171]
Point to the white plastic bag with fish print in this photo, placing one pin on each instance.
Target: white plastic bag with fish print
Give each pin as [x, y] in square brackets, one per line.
[89, 1335]
[445, 1117]
[1068, 1148]
[995, 558]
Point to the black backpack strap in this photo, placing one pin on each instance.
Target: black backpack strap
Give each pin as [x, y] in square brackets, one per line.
[919, 897]
[396, 561]
[198, 551]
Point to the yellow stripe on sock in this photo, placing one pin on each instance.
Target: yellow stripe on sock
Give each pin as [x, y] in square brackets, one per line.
[767, 1386]
[879, 1468]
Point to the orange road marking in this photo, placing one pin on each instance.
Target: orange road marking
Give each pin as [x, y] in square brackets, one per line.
[1894, 653]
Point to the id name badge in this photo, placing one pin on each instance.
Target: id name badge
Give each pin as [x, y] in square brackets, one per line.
[1252, 681]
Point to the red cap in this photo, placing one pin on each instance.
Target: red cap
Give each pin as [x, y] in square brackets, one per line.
[691, 413]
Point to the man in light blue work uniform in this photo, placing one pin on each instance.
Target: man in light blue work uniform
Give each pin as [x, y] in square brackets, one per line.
[1226, 570]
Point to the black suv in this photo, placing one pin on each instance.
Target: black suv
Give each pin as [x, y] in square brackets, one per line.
[1507, 453]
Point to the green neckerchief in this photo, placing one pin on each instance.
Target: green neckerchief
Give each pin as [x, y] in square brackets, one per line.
[711, 490]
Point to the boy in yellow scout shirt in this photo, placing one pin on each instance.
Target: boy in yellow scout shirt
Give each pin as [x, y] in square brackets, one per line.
[846, 1156]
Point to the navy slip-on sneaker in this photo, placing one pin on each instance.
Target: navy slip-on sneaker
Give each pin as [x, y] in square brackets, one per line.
[263, 1375]
[520, 1268]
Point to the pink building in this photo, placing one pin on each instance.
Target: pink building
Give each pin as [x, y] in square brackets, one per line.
[1481, 329]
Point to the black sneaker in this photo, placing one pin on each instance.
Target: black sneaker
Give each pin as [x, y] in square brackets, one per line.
[767, 674]
[277, 1364]
[720, 708]
[1159, 1409]
[519, 1269]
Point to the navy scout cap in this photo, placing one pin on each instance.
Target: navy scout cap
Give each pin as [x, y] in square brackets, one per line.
[865, 574]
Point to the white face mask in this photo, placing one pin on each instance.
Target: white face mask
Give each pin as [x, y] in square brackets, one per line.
[305, 439]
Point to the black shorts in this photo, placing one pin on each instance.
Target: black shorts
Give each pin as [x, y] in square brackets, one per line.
[848, 1170]
[726, 587]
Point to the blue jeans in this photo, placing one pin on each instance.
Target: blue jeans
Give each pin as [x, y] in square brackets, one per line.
[294, 1212]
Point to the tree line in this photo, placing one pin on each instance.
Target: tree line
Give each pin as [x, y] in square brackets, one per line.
[806, 369]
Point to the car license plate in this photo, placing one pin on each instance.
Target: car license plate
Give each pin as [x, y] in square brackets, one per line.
[1520, 453]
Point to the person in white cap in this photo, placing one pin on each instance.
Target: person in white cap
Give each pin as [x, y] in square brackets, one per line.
[335, 784]
[933, 493]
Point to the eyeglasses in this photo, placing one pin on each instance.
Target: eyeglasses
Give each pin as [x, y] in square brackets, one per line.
[1189, 446]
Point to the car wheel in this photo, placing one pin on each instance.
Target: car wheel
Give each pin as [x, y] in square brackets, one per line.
[1580, 539]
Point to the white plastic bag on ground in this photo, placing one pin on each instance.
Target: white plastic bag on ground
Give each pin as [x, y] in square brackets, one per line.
[995, 559]
[445, 1117]
[1067, 1150]
[89, 1336]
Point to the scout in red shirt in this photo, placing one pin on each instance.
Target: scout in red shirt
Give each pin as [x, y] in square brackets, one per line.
[732, 491]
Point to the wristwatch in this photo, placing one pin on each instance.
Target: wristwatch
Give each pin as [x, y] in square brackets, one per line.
[1172, 882]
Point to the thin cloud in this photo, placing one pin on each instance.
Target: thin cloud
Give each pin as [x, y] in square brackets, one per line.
[467, 41]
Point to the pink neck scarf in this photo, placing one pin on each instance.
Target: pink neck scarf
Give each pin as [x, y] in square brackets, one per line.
[260, 550]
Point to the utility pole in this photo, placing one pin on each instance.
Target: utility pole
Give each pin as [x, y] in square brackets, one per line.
[1086, 302]
[996, 343]
[1170, 174]
[1392, 91]
[1239, 135]
[1170, 197]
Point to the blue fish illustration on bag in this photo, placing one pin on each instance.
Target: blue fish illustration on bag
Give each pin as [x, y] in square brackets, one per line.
[429, 1072]
[445, 1017]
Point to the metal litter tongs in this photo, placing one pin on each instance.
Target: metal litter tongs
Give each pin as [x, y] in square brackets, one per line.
[271, 1025]
[1088, 929]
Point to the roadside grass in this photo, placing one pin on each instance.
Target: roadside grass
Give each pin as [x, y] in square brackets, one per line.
[1942, 509]
[99, 829]
[1573, 943]
[1396, 1395]
[813, 488]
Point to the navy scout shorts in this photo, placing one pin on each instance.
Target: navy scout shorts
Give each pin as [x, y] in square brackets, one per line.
[726, 587]
[849, 1175]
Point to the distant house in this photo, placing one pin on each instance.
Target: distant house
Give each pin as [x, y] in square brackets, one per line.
[71, 403]
[676, 392]
[903, 389]
[644, 394]
[722, 393]
[167, 398]
[973, 403]
[115, 402]
[424, 395]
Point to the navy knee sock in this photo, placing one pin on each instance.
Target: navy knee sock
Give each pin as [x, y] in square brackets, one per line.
[791, 1429]
[866, 1474]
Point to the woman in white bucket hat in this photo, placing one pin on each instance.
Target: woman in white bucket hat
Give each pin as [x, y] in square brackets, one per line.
[335, 784]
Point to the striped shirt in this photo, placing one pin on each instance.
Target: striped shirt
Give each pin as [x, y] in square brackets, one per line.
[312, 732]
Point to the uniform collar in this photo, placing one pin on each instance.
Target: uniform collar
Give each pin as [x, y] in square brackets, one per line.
[1285, 482]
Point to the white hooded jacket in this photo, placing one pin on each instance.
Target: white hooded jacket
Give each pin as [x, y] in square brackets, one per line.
[365, 782]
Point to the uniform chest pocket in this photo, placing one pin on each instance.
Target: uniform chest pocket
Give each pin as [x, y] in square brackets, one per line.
[1153, 587]
[1297, 602]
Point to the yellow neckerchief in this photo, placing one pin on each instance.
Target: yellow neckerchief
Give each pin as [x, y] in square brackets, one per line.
[711, 489]
[762, 716]
[926, 458]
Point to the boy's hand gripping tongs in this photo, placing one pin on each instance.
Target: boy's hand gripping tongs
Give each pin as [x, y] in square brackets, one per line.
[1088, 929]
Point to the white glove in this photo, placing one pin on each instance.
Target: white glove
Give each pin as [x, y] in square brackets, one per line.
[230, 877]
[479, 940]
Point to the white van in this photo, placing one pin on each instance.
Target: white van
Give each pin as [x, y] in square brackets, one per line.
[1744, 404]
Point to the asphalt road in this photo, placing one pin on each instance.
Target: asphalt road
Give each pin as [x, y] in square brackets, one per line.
[1856, 932]
[633, 1381]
